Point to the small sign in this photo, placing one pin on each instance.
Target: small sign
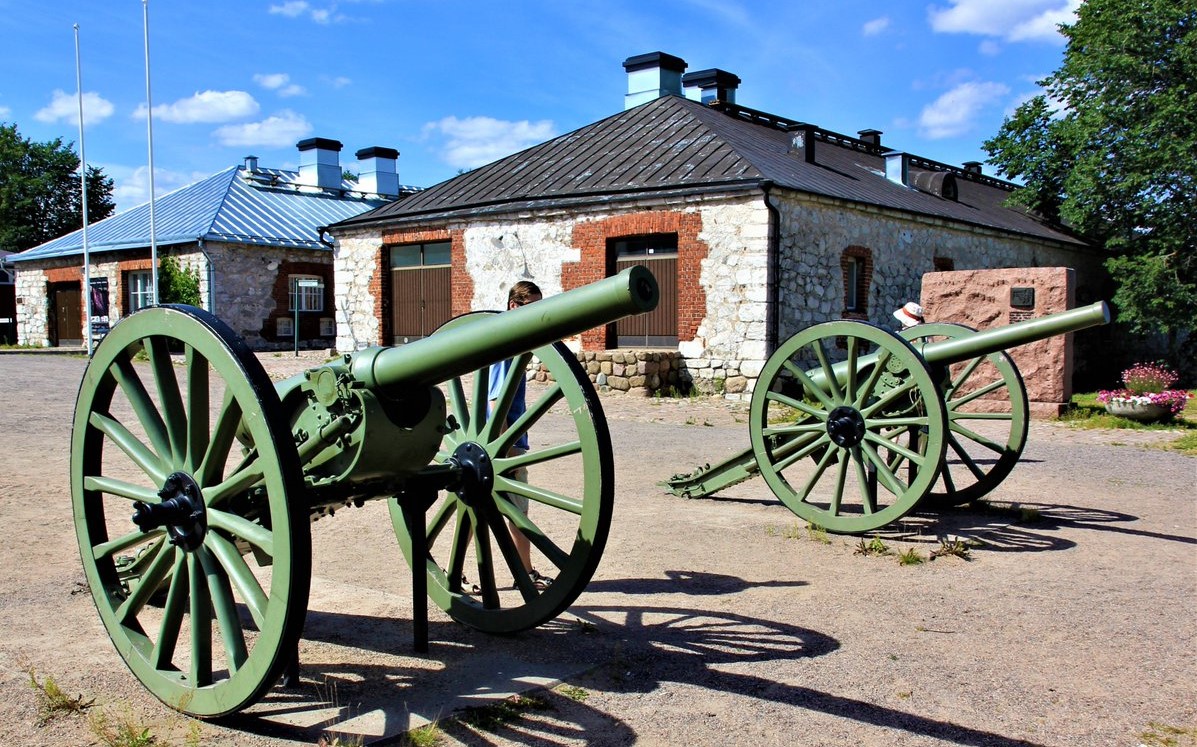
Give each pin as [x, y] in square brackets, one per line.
[308, 283]
[1022, 297]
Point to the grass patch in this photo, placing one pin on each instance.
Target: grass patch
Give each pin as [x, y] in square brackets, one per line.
[873, 548]
[122, 732]
[951, 547]
[575, 694]
[428, 735]
[496, 715]
[910, 556]
[1084, 411]
[1163, 735]
[53, 701]
[817, 534]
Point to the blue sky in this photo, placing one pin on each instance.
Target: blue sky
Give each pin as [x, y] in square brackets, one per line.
[454, 85]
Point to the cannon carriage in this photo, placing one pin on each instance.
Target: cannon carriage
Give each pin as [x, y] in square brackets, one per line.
[195, 481]
[852, 426]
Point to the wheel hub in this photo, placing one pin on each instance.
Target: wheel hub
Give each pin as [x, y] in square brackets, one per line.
[477, 472]
[181, 511]
[846, 426]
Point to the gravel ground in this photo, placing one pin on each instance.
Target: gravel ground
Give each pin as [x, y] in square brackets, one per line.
[711, 621]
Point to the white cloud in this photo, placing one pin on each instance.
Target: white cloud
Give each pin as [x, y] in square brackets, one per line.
[277, 131]
[1012, 20]
[298, 8]
[955, 112]
[5, 112]
[280, 83]
[875, 26]
[339, 81]
[475, 141]
[64, 107]
[205, 106]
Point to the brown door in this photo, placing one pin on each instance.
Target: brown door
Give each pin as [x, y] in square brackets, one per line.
[657, 328]
[420, 302]
[66, 309]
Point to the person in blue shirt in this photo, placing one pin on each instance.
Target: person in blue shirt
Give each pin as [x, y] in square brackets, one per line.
[522, 293]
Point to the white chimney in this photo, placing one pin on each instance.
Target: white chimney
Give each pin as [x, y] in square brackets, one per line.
[710, 85]
[651, 76]
[379, 174]
[320, 163]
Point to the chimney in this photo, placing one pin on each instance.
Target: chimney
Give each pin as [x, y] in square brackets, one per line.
[897, 167]
[251, 163]
[651, 76]
[379, 175]
[871, 137]
[320, 163]
[710, 85]
[803, 141]
[972, 167]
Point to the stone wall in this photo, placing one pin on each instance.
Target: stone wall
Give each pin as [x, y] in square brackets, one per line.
[635, 372]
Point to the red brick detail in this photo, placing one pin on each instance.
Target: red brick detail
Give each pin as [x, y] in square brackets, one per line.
[64, 275]
[461, 284]
[309, 322]
[590, 237]
[864, 281]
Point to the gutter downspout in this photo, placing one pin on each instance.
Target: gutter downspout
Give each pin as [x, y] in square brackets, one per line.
[772, 312]
[211, 277]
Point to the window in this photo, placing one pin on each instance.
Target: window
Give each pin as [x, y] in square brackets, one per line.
[307, 293]
[141, 289]
[943, 264]
[852, 284]
[420, 255]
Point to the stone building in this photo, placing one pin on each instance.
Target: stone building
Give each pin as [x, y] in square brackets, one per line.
[755, 225]
[253, 235]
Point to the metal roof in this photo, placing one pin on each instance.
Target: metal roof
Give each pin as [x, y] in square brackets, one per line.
[265, 207]
[673, 145]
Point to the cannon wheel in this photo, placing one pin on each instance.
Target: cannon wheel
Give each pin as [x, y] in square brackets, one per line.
[203, 628]
[570, 493]
[875, 442]
[976, 463]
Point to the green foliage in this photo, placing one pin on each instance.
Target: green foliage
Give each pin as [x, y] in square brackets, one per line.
[1108, 148]
[40, 193]
[1166, 735]
[494, 716]
[123, 732]
[573, 693]
[52, 700]
[178, 284]
[910, 556]
[951, 547]
[874, 547]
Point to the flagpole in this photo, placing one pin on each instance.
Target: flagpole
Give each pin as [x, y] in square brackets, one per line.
[83, 190]
[149, 126]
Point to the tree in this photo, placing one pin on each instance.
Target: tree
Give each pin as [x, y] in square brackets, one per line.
[40, 194]
[179, 284]
[1114, 157]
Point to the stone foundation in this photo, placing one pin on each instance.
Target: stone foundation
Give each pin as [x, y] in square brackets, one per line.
[635, 372]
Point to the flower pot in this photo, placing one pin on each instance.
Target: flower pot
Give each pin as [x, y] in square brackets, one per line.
[1143, 412]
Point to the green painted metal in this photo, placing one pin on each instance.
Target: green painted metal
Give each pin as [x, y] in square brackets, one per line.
[567, 522]
[710, 479]
[988, 417]
[853, 455]
[169, 595]
[460, 350]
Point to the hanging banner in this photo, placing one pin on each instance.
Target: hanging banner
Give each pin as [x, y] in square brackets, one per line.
[99, 307]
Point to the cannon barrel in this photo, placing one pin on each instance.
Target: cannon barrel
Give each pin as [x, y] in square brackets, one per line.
[1002, 338]
[465, 348]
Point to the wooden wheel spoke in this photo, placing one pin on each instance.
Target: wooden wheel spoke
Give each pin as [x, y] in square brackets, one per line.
[172, 615]
[852, 362]
[965, 458]
[867, 501]
[457, 402]
[507, 464]
[977, 438]
[171, 400]
[820, 468]
[828, 374]
[897, 448]
[201, 624]
[145, 459]
[797, 404]
[799, 449]
[124, 542]
[440, 519]
[964, 374]
[796, 429]
[220, 445]
[461, 543]
[121, 489]
[145, 587]
[220, 592]
[884, 401]
[240, 575]
[243, 478]
[534, 412]
[253, 533]
[198, 416]
[486, 565]
[511, 558]
[479, 403]
[977, 393]
[538, 495]
[144, 408]
[891, 481]
[866, 389]
[809, 385]
[841, 477]
[535, 535]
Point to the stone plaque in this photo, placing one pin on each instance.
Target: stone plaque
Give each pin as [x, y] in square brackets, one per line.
[1022, 297]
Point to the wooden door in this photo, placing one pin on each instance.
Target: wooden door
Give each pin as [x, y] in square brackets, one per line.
[657, 328]
[66, 309]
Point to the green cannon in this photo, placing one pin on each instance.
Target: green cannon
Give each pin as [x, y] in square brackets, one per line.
[195, 481]
[852, 425]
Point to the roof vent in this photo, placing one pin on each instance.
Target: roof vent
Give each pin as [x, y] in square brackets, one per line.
[938, 183]
[320, 163]
[897, 167]
[870, 137]
[803, 141]
[651, 76]
[251, 163]
[379, 174]
[710, 85]
[972, 167]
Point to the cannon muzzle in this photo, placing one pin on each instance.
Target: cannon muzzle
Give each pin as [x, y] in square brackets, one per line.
[1002, 338]
[465, 348]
